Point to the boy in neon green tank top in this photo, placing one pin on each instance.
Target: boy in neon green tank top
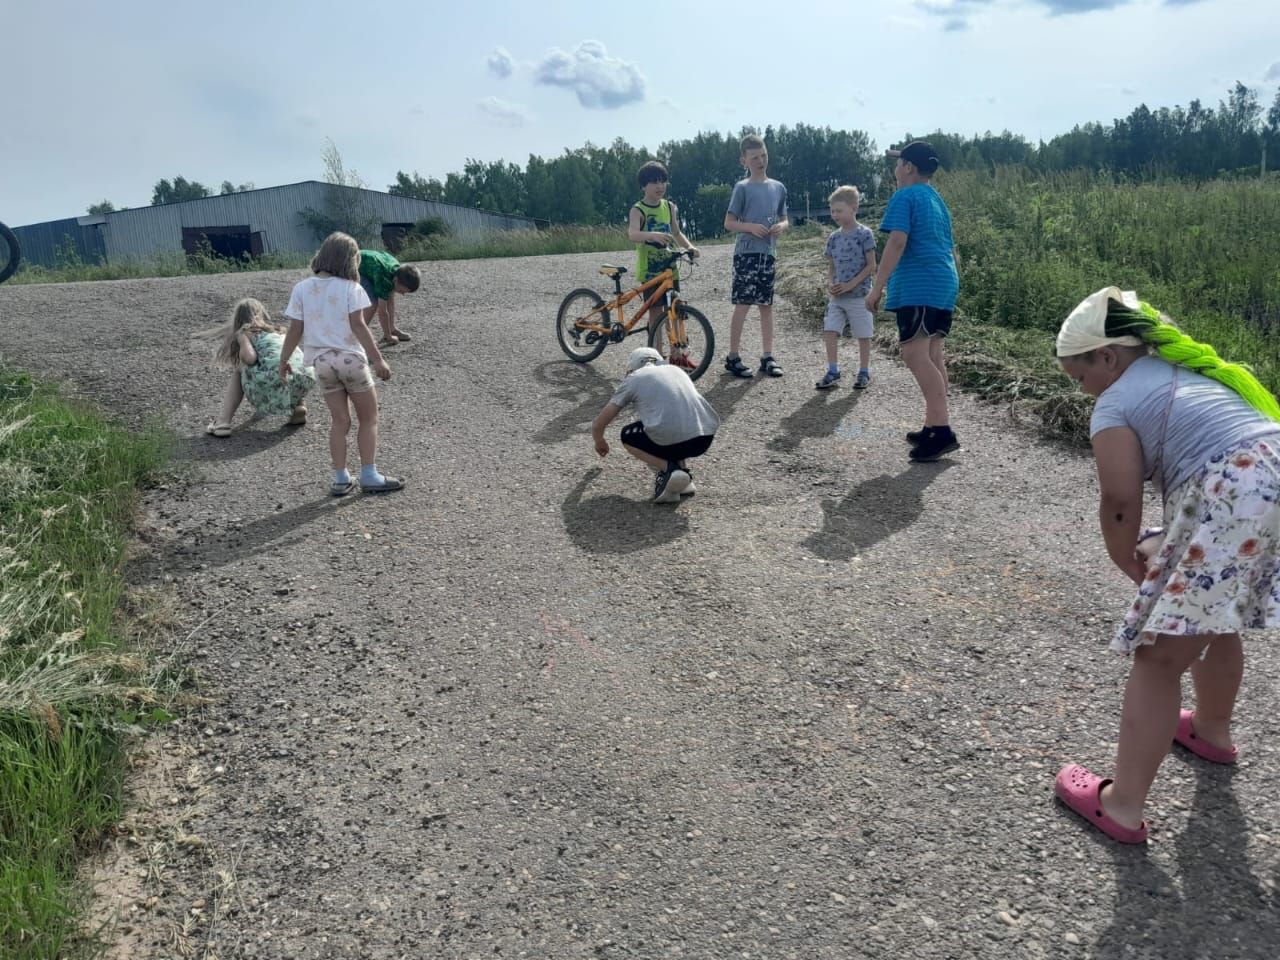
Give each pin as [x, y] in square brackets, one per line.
[654, 220]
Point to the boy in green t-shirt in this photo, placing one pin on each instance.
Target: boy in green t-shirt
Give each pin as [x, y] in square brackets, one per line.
[652, 225]
[383, 276]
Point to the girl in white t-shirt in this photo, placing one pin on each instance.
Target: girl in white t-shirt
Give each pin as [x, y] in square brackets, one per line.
[326, 313]
[1207, 434]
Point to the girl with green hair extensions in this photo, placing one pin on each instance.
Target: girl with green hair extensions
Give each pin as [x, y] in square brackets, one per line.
[1206, 434]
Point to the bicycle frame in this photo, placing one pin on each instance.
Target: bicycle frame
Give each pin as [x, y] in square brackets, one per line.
[660, 285]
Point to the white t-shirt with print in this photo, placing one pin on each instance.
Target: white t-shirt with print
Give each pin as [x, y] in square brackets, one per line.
[324, 305]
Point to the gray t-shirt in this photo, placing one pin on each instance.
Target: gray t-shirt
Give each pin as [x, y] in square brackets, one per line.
[1206, 419]
[848, 252]
[758, 202]
[667, 403]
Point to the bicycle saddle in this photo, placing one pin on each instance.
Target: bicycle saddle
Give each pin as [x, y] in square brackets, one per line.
[611, 271]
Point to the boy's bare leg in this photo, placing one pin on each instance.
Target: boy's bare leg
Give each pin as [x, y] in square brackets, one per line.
[231, 398]
[1217, 681]
[864, 354]
[656, 462]
[384, 318]
[340, 423]
[832, 341]
[939, 361]
[915, 354]
[366, 404]
[735, 327]
[766, 328]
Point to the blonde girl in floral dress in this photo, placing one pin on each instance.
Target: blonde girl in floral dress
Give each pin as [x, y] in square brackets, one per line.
[251, 344]
[1206, 434]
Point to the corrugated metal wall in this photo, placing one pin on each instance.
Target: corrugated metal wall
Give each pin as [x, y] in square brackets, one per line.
[274, 211]
[42, 242]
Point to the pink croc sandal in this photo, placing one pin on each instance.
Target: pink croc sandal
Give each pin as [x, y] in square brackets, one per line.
[1081, 790]
[1186, 735]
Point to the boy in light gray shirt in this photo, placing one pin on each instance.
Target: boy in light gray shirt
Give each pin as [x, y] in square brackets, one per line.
[758, 214]
[676, 423]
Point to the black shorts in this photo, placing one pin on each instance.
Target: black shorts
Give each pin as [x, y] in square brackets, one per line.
[752, 278]
[633, 435]
[932, 320]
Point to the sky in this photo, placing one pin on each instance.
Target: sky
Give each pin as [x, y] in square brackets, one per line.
[110, 98]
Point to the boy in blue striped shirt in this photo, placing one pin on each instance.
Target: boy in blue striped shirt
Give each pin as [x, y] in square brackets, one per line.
[918, 273]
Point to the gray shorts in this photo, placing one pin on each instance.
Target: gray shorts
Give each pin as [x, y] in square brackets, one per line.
[849, 309]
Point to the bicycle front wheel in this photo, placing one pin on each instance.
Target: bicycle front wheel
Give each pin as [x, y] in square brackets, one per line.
[10, 253]
[689, 342]
[581, 306]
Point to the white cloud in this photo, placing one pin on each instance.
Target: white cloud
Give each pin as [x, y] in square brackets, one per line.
[599, 80]
[1273, 72]
[507, 114]
[500, 63]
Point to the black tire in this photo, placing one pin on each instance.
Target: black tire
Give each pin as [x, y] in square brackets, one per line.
[10, 253]
[578, 305]
[701, 339]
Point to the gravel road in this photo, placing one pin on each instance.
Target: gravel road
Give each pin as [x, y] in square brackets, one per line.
[518, 711]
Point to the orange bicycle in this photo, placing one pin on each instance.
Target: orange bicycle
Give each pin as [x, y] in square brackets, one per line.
[585, 324]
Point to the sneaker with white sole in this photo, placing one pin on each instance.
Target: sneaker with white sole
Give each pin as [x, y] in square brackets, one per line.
[668, 484]
[829, 380]
[863, 380]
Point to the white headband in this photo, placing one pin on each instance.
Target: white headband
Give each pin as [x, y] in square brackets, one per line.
[1085, 328]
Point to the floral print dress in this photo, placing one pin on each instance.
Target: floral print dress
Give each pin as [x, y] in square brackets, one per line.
[261, 381]
[1219, 568]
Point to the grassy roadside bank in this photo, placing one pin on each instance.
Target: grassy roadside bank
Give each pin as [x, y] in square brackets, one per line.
[70, 687]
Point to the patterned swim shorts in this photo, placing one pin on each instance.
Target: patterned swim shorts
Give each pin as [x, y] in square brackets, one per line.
[343, 370]
[752, 278]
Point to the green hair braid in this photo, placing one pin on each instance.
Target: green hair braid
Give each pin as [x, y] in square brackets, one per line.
[1150, 325]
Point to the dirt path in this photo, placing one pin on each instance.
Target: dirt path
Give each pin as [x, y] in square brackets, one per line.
[516, 711]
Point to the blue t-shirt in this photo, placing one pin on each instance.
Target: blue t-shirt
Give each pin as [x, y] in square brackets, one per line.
[926, 275]
[848, 252]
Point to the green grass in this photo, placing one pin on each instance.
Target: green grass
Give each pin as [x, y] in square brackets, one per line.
[69, 685]
[71, 270]
[1031, 248]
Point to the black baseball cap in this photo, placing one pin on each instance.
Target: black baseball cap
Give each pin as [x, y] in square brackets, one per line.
[920, 153]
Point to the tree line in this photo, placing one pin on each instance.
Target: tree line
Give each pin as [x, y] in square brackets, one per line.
[595, 185]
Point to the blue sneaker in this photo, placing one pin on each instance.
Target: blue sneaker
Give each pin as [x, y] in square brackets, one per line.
[863, 381]
[828, 381]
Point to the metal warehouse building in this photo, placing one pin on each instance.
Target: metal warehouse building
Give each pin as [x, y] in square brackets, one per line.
[253, 222]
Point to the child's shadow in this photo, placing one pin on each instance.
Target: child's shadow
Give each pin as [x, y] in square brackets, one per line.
[573, 382]
[727, 392]
[614, 524]
[871, 511]
[816, 418]
[258, 535]
[247, 439]
[1223, 913]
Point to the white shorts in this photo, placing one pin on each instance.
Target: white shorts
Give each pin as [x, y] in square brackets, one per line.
[849, 309]
[343, 370]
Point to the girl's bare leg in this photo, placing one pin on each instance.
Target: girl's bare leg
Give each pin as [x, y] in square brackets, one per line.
[1217, 681]
[231, 398]
[366, 404]
[336, 401]
[1148, 720]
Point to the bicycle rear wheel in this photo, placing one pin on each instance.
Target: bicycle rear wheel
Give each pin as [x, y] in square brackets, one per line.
[10, 253]
[694, 344]
[581, 305]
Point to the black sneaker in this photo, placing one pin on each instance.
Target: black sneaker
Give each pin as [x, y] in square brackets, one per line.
[935, 442]
[739, 369]
[915, 436]
[668, 485]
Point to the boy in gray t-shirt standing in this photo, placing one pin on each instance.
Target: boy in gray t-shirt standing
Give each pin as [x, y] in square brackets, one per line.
[757, 214]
